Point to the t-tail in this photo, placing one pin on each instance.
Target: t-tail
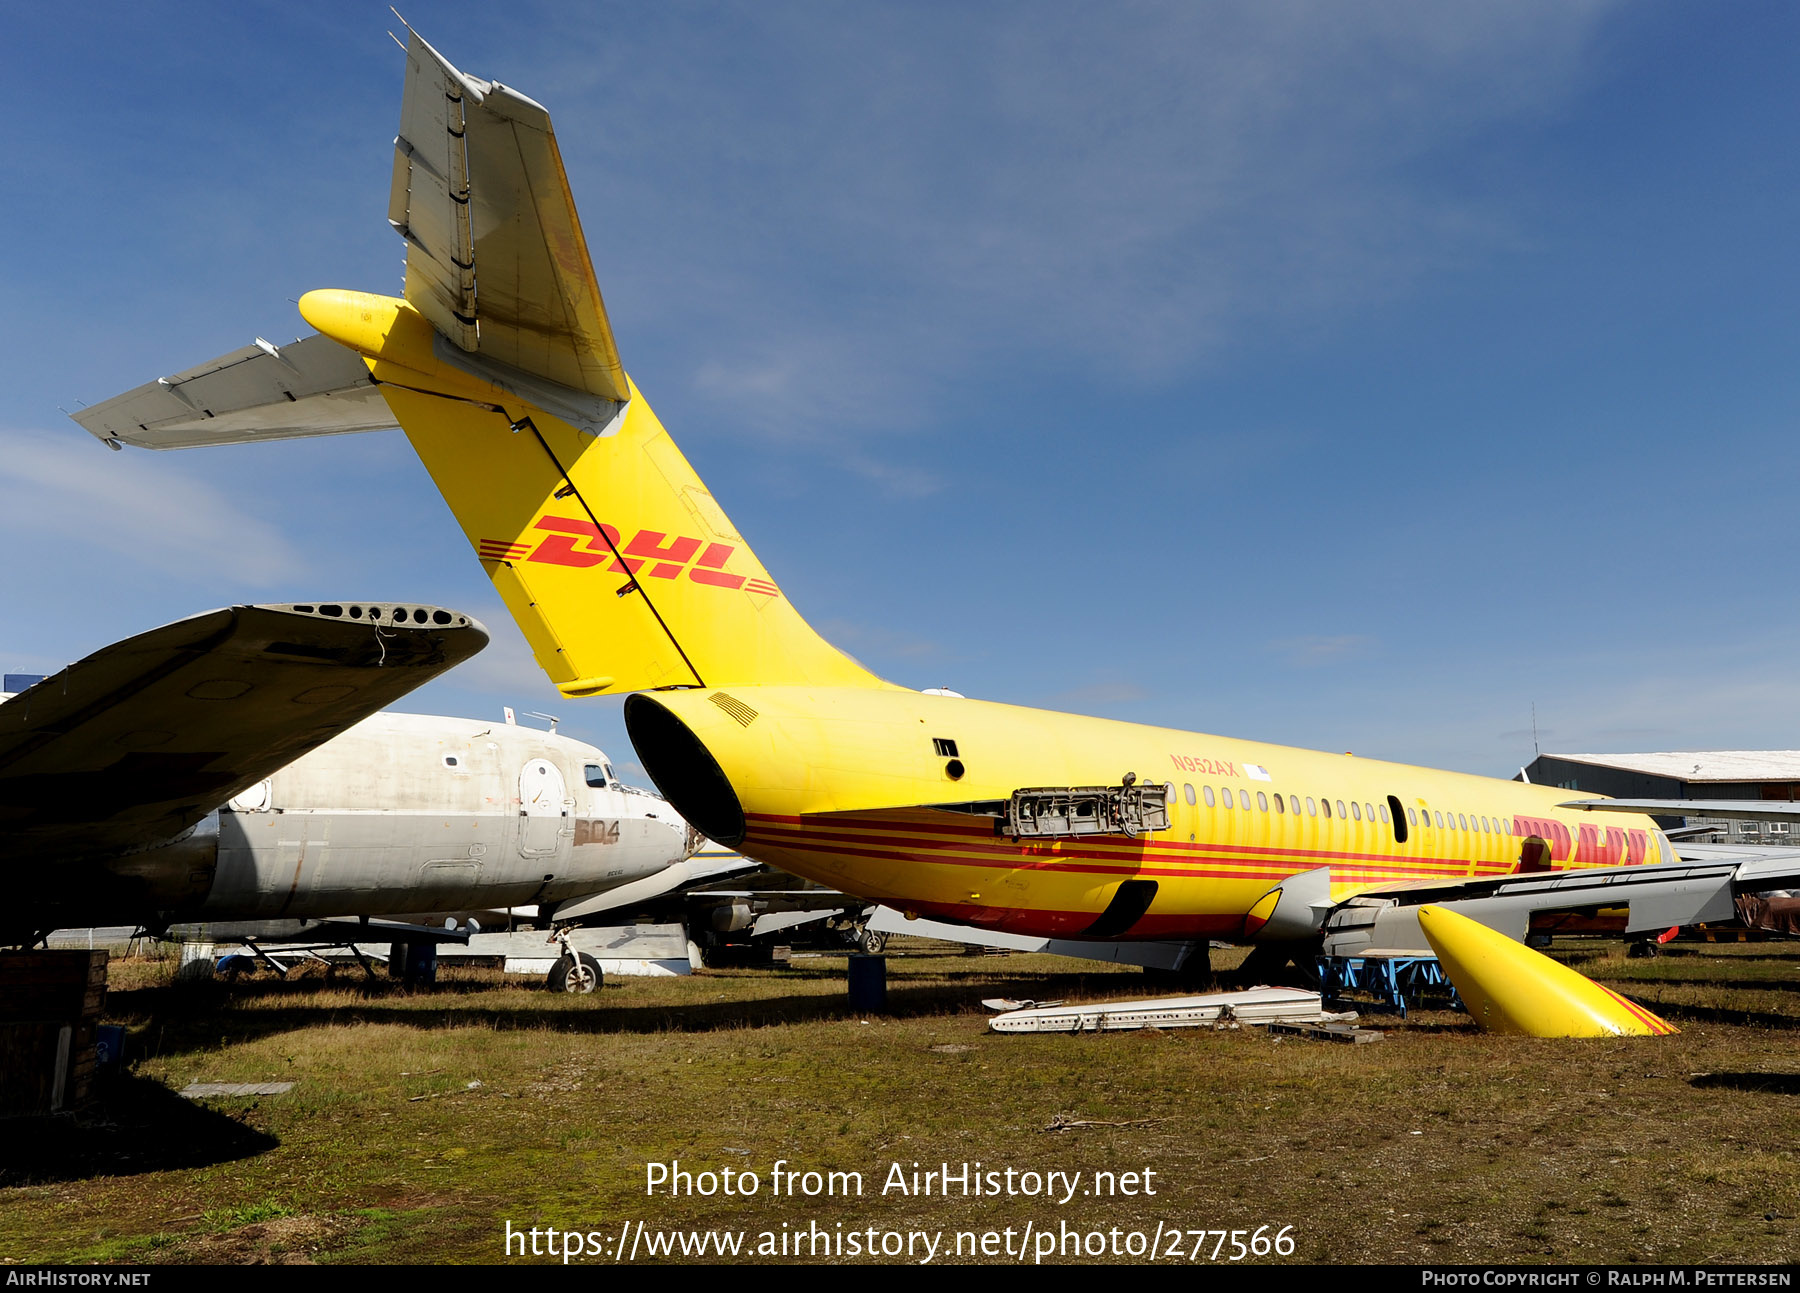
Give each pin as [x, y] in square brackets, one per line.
[609, 551]
[500, 366]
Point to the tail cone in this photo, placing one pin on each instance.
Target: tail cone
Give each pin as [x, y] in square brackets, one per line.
[1509, 988]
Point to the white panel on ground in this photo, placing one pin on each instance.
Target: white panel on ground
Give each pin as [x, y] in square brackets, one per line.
[1257, 1006]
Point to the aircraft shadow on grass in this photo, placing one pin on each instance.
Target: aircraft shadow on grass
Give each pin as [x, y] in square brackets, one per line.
[135, 1126]
[175, 1021]
[1760, 1083]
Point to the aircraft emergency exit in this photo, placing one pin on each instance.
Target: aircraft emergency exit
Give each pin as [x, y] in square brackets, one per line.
[628, 577]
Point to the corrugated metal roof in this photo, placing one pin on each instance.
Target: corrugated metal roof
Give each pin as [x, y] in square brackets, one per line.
[1702, 765]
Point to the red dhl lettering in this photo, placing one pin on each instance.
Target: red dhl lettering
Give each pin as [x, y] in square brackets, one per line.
[1550, 831]
[584, 545]
[1209, 767]
[1619, 847]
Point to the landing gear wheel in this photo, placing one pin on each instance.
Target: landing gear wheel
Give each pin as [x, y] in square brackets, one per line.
[1643, 947]
[872, 941]
[581, 975]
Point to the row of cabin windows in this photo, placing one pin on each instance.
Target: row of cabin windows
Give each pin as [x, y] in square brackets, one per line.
[1354, 811]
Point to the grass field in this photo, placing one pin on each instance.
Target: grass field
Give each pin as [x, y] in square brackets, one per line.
[420, 1123]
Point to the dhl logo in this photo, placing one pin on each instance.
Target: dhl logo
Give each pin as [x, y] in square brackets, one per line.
[584, 545]
[1552, 832]
[1629, 847]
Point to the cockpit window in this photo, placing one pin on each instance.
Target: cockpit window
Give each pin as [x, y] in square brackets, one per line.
[595, 775]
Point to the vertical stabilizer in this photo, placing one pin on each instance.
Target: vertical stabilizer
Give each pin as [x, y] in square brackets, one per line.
[609, 551]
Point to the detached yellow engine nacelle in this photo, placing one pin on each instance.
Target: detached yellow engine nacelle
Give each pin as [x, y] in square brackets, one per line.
[1509, 988]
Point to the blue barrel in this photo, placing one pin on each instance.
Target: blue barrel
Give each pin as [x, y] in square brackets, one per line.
[868, 982]
[109, 1046]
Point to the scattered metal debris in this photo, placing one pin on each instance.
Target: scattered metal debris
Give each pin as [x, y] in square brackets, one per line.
[1062, 1122]
[1258, 1006]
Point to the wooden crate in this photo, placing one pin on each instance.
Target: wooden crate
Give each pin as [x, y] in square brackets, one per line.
[49, 1008]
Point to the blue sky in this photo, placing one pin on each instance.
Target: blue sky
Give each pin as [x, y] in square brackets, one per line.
[1355, 377]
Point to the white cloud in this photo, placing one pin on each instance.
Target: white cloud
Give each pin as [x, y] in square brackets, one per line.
[63, 492]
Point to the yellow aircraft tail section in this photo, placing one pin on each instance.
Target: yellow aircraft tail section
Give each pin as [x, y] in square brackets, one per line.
[607, 548]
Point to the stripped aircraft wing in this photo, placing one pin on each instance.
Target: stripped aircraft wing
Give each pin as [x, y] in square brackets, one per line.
[140, 740]
[1657, 897]
[1759, 810]
[676, 878]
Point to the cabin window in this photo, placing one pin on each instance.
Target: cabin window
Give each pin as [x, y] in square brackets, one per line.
[1262, 802]
[1189, 792]
[1369, 811]
[1440, 819]
[1355, 810]
[1279, 806]
[1208, 791]
[1326, 805]
[1294, 804]
[1462, 821]
[1229, 802]
[1484, 827]
[595, 775]
[1342, 811]
[1382, 809]
[1244, 799]
[1312, 806]
[1412, 818]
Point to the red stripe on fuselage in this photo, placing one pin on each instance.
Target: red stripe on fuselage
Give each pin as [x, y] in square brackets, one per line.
[816, 835]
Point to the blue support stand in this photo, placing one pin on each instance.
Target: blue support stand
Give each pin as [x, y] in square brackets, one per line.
[868, 983]
[1397, 980]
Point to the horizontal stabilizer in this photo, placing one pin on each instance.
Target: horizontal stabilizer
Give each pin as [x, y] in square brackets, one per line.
[139, 741]
[261, 392]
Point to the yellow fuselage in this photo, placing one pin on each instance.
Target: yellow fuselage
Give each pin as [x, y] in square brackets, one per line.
[626, 576]
[815, 772]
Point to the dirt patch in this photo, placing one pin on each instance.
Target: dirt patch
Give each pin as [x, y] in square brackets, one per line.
[281, 1241]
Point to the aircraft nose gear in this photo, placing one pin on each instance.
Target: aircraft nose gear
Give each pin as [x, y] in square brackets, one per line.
[574, 971]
